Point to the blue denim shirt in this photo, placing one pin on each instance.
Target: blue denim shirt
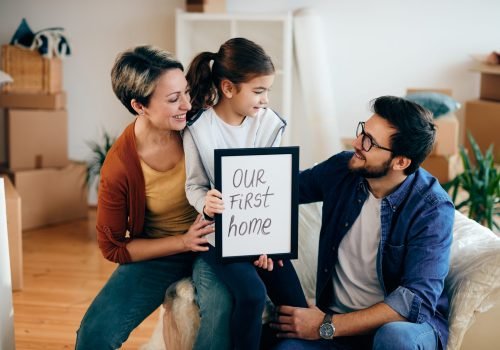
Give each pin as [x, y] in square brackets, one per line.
[416, 235]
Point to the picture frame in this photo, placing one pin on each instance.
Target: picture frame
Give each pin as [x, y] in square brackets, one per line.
[259, 188]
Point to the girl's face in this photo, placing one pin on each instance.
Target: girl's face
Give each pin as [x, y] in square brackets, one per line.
[170, 101]
[249, 97]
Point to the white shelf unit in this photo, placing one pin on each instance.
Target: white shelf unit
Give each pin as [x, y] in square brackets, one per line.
[197, 32]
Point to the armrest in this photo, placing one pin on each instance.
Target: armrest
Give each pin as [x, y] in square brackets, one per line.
[473, 282]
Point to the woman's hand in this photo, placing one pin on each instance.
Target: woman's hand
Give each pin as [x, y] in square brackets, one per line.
[194, 239]
[266, 263]
[213, 203]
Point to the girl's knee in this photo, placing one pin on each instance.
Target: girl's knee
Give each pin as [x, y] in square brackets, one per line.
[255, 296]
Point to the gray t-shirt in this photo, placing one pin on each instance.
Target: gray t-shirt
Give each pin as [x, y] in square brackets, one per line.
[355, 281]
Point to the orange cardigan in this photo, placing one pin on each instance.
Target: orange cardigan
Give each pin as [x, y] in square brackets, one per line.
[121, 201]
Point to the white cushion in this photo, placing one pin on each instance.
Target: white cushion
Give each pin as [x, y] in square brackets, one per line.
[473, 283]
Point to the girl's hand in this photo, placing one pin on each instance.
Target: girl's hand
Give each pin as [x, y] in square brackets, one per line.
[194, 239]
[213, 203]
[266, 263]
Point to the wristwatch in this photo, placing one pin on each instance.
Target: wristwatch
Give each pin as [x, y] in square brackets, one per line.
[327, 329]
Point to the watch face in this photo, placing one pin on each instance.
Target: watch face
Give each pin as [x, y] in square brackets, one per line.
[326, 331]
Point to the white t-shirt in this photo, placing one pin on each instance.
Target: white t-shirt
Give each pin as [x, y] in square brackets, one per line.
[355, 280]
[238, 136]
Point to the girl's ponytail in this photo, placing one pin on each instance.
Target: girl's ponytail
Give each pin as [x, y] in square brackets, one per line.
[199, 76]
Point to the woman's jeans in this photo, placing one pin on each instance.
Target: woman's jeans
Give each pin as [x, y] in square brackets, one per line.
[137, 289]
[248, 286]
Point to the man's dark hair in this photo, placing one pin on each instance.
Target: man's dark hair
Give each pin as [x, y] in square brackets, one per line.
[415, 130]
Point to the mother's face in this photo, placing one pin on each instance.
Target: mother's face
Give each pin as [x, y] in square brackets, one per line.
[170, 101]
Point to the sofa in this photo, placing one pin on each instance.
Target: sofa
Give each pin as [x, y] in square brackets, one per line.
[473, 285]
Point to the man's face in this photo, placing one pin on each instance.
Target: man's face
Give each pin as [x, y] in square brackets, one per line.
[377, 162]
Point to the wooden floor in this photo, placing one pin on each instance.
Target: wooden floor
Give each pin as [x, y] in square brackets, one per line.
[63, 271]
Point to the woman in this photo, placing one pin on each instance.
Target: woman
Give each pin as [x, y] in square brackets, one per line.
[144, 221]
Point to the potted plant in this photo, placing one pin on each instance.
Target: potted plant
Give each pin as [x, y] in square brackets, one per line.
[99, 152]
[481, 181]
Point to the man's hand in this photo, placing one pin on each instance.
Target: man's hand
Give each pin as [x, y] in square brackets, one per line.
[298, 322]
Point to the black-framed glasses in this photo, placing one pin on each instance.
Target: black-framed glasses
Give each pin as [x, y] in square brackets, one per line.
[367, 141]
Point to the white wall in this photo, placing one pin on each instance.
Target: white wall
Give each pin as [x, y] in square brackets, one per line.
[383, 47]
[375, 48]
[98, 31]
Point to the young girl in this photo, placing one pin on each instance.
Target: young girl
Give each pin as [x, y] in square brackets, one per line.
[229, 91]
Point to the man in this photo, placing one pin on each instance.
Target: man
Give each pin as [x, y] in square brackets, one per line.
[384, 242]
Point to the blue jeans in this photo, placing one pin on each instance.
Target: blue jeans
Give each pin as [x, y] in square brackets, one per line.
[248, 286]
[131, 294]
[391, 336]
[215, 304]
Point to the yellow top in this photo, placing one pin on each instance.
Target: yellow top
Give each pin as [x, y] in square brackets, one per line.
[168, 211]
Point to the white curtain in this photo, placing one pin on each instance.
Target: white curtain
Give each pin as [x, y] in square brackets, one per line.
[314, 124]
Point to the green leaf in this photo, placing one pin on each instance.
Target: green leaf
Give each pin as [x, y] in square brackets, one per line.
[99, 150]
[481, 181]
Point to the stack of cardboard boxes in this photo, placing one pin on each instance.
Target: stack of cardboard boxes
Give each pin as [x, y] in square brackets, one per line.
[51, 188]
[482, 117]
[444, 161]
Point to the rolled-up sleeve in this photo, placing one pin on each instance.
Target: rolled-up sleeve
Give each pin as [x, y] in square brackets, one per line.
[406, 303]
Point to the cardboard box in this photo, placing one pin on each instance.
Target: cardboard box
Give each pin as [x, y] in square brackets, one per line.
[209, 6]
[446, 143]
[490, 81]
[37, 138]
[444, 168]
[37, 101]
[51, 196]
[490, 87]
[441, 91]
[31, 72]
[13, 202]
[482, 120]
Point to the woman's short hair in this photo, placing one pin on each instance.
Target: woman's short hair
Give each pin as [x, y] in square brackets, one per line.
[136, 72]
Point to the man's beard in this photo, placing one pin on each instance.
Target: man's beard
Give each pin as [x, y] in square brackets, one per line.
[372, 172]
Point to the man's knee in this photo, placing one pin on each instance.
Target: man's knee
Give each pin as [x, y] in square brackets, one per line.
[254, 297]
[404, 336]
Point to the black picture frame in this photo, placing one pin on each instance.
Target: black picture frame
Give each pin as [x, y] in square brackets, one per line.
[272, 157]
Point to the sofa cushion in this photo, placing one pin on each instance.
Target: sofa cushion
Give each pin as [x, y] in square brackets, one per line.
[439, 104]
[473, 283]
